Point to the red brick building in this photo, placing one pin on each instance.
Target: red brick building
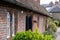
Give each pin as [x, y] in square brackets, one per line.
[21, 15]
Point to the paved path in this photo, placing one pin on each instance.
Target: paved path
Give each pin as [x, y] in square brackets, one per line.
[58, 33]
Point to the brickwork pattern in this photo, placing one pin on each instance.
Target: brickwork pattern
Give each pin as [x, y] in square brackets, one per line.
[3, 26]
[21, 22]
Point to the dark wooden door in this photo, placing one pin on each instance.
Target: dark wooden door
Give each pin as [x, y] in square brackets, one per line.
[28, 22]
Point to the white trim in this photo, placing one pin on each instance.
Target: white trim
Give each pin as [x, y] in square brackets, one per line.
[22, 11]
[13, 27]
[8, 36]
[13, 34]
[8, 25]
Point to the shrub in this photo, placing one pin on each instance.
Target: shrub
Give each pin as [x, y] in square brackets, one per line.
[59, 23]
[29, 35]
[52, 25]
[50, 33]
[48, 37]
[56, 22]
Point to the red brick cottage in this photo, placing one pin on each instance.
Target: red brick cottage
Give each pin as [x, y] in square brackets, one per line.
[21, 15]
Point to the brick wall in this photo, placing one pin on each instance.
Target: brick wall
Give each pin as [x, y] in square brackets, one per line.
[21, 22]
[35, 21]
[41, 24]
[3, 25]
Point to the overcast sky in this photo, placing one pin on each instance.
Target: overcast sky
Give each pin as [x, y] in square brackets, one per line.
[46, 1]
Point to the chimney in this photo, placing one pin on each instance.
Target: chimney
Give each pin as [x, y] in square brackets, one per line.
[38, 1]
[56, 2]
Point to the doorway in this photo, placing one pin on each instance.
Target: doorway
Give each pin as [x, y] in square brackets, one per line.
[28, 22]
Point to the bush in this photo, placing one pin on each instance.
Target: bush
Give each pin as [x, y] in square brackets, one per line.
[50, 33]
[48, 37]
[52, 25]
[29, 35]
[59, 24]
[56, 22]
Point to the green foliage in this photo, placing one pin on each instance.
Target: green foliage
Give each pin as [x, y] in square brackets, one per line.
[59, 23]
[29, 35]
[50, 33]
[49, 37]
[56, 22]
[52, 25]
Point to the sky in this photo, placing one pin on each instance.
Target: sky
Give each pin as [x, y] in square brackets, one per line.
[47, 1]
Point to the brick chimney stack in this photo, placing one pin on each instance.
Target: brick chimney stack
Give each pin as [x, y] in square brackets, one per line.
[56, 2]
[38, 1]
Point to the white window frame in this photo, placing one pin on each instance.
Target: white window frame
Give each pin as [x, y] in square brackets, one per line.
[13, 25]
[8, 25]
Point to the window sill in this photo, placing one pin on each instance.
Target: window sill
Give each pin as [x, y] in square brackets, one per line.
[8, 36]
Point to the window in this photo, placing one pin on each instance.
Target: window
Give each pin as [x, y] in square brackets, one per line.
[13, 27]
[10, 18]
[8, 25]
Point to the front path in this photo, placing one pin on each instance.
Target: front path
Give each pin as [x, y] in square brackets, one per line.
[58, 33]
